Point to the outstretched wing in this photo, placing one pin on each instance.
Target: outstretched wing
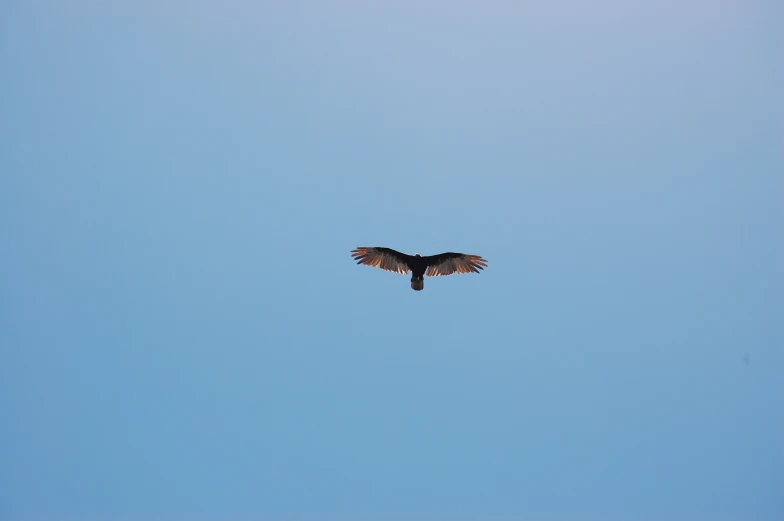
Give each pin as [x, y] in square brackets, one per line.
[384, 258]
[450, 262]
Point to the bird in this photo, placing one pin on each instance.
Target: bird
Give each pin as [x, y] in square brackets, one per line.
[419, 266]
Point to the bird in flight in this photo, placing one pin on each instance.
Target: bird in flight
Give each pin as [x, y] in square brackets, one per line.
[419, 266]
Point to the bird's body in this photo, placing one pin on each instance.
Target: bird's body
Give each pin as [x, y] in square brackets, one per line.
[419, 266]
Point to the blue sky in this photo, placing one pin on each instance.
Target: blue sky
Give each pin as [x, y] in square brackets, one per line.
[184, 335]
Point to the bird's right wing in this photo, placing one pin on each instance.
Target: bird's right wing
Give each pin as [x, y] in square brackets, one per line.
[384, 258]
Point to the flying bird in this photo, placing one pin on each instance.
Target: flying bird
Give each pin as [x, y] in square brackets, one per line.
[419, 266]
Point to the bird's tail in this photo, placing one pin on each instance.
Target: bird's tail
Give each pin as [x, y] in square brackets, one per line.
[417, 283]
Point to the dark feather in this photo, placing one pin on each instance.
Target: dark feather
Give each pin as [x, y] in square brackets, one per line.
[450, 262]
[432, 265]
[384, 258]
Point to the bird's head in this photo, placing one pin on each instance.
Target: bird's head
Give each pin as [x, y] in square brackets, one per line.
[417, 255]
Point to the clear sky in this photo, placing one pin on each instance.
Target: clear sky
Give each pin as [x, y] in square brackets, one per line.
[184, 336]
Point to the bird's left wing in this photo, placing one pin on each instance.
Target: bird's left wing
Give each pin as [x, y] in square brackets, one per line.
[450, 262]
[384, 258]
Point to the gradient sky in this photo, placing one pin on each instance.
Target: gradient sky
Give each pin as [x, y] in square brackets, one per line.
[184, 336]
